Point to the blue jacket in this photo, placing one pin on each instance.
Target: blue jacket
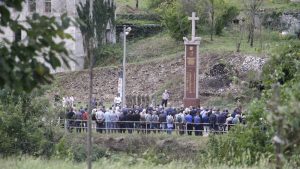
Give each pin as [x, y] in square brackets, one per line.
[205, 119]
[197, 119]
[189, 118]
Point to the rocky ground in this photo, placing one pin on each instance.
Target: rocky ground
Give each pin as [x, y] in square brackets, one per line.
[217, 73]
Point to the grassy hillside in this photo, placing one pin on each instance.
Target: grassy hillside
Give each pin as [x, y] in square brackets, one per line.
[163, 46]
[268, 4]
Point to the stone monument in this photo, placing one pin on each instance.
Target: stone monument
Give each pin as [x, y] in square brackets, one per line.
[191, 78]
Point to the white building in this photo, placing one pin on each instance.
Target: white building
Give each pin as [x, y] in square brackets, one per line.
[56, 8]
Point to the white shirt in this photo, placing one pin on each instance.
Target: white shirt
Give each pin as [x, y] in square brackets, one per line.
[107, 116]
[117, 100]
[99, 115]
[165, 96]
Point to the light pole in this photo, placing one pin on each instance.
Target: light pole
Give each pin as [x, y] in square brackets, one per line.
[125, 33]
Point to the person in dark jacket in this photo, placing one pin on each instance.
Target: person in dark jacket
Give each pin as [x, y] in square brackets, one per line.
[70, 116]
[130, 118]
[197, 121]
[162, 117]
[205, 120]
[136, 119]
[213, 121]
[221, 121]
[122, 125]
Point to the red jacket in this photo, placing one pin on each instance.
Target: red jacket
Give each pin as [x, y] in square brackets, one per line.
[85, 116]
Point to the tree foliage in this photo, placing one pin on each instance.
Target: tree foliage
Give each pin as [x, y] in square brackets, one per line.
[23, 124]
[273, 119]
[214, 15]
[26, 64]
[176, 21]
[95, 27]
[252, 8]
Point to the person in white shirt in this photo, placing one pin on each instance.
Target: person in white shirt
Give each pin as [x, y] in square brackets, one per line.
[170, 121]
[107, 116]
[100, 120]
[117, 100]
[72, 101]
[165, 98]
[64, 102]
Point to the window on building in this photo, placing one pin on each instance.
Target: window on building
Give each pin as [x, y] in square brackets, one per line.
[48, 6]
[32, 5]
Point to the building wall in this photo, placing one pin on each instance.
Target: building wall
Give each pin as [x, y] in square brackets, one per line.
[59, 7]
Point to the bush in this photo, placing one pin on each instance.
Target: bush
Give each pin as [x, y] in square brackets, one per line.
[22, 128]
[243, 145]
[109, 53]
[283, 65]
[226, 18]
[80, 154]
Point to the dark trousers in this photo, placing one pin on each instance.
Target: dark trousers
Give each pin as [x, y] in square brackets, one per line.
[189, 128]
[122, 127]
[100, 127]
[129, 127]
[181, 128]
[148, 128]
[197, 130]
[78, 126]
[164, 102]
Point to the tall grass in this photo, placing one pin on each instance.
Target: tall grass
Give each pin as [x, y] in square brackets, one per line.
[116, 162]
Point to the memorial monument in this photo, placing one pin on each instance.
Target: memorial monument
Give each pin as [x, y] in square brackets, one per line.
[192, 62]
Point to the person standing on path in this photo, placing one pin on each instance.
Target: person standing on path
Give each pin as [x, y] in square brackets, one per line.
[165, 98]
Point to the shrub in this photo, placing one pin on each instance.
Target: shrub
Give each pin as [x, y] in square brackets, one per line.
[226, 18]
[21, 126]
[79, 153]
[109, 53]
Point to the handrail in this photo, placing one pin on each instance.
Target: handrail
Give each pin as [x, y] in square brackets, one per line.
[146, 126]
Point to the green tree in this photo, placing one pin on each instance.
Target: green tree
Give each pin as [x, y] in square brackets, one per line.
[224, 19]
[175, 20]
[252, 8]
[26, 64]
[94, 27]
[213, 9]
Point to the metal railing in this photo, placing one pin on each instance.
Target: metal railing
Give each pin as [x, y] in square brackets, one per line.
[71, 125]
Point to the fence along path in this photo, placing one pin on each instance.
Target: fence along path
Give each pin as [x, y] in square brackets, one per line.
[144, 127]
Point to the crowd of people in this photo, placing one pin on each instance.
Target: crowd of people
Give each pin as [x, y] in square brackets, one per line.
[154, 119]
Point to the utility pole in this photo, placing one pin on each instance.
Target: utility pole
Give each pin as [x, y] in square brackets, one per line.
[124, 67]
[125, 33]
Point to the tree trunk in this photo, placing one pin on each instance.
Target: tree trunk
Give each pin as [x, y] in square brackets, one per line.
[212, 23]
[90, 50]
[252, 28]
[238, 46]
[137, 4]
[89, 139]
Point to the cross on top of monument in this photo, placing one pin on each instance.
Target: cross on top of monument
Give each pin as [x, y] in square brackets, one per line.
[193, 19]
